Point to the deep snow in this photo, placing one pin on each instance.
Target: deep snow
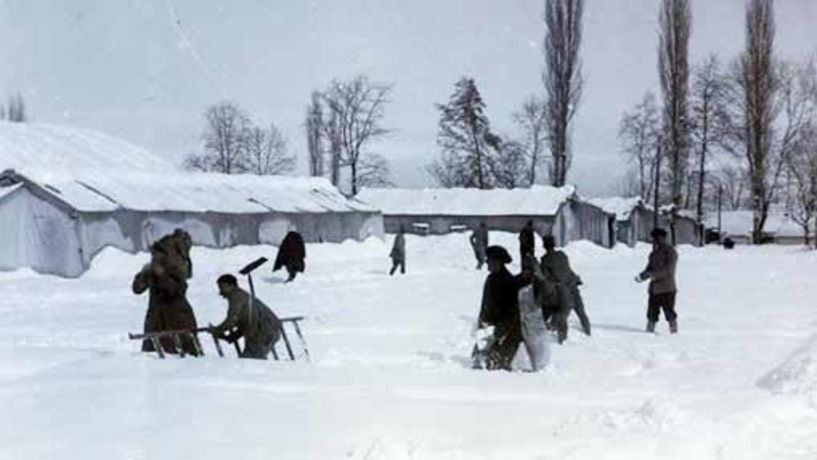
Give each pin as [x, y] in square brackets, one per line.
[389, 376]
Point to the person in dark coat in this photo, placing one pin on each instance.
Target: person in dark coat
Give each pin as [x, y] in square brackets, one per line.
[177, 248]
[291, 254]
[556, 266]
[500, 309]
[527, 244]
[247, 317]
[168, 308]
[479, 242]
[398, 253]
[661, 273]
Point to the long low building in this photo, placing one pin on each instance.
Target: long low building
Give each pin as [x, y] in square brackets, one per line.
[555, 211]
[779, 228]
[58, 226]
[635, 221]
[65, 194]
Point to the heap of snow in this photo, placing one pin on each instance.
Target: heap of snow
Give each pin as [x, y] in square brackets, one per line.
[537, 200]
[198, 192]
[47, 150]
[619, 206]
[797, 374]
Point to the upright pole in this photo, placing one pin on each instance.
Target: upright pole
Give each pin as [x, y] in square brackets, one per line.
[720, 210]
[657, 182]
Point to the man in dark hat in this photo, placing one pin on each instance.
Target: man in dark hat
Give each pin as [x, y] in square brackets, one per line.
[500, 309]
[527, 244]
[556, 267]
[247, 317]
[479, 242]
[398, 252]
[661, 273]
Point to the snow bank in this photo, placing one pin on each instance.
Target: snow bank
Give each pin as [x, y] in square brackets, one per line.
[797, 374]
[537, 200]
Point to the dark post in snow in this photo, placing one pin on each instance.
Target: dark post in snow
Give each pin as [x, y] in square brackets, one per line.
[720, 208]
[657, 182]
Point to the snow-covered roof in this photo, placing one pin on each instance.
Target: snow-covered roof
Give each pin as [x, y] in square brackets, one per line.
[741, 222]
[619, 206]
[535, 201]
[44, 149]
[198, 192]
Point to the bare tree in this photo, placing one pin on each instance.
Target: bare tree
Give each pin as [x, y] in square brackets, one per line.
[562, 79]
[357, 109]
[735, 182]
[802, 165]
[314, 136]
[509, 166]
[466, 140]
[675, 27]
[374, 172]
[267, 152]
[708, 121]
[532, 122]
[753, 98]
[225, 140]
[639, 131]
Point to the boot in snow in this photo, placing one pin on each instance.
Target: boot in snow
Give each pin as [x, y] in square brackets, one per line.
[673, 327]
[650, 326]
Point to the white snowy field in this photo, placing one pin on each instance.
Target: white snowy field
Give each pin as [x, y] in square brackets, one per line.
[389, 376]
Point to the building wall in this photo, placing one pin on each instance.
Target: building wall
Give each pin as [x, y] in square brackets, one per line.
[38, 235]
[441, 225]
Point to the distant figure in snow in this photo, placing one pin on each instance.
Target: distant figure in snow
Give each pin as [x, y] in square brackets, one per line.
[728, 243]
[164, 277]
[291, 255]
[556, 267]
[247, 317]
[500, 310]
[398, 253]
[527, 244]
[661, 273]
[479, 242]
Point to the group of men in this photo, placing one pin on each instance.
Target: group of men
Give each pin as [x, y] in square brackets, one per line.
[556, 291]
[165, 279]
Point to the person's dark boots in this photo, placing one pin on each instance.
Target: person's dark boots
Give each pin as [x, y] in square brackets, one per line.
[650, 326]
[673, 327]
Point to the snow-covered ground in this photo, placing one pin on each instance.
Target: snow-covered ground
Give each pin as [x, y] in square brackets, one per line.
[389, 378]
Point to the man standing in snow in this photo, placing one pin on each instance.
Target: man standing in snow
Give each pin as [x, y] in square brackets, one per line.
[527, 244]
[168, 308]
[500, 310]
[247, 317]
[556, 267]
[479, 242]
[291, 255]
[398, 253]
[661, 273]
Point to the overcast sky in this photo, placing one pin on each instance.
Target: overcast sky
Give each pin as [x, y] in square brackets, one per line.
[145, 70]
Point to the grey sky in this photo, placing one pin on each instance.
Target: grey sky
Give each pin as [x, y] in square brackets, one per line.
[127, 68]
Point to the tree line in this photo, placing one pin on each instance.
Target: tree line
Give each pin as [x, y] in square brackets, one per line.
[741, 133]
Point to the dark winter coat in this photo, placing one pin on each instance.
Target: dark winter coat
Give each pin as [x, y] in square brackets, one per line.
[175, 249]
[398, 249]
[500, 301]
[527, 244]
[479, 241]
[292, 253]
[556, 266]
[168, 308]
[257, 323]
[661, 269]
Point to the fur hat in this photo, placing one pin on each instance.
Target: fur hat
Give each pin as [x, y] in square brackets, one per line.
[499, 254]
[658, 233]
